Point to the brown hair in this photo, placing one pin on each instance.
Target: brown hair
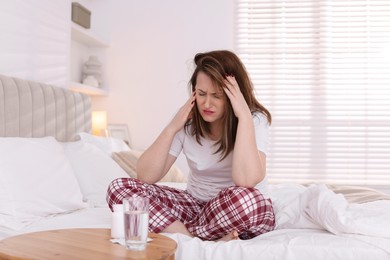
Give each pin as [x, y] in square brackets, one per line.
[217, 65]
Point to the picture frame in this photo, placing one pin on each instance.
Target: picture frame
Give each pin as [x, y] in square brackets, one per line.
[119, 131]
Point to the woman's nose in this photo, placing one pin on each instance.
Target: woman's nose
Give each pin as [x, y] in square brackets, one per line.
[207, 101]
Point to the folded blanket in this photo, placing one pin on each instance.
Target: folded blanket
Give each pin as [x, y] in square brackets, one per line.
[356, 194]
[318, 207]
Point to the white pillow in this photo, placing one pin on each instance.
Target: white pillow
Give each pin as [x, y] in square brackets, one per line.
[108, 145]
[36, 180]
[94, 171]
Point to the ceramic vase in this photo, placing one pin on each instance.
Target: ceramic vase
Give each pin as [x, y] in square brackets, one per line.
[92, 71]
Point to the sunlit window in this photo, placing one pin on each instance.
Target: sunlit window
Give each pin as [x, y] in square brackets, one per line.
[323, 70]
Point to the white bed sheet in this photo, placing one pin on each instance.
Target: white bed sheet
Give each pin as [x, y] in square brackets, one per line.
[311, 223]
[300, 232]
[284, 244]
[84, 218]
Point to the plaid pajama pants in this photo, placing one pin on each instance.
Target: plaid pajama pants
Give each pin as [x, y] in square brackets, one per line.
[234, 208]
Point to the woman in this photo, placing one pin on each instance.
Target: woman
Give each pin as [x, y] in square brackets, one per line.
[222, 130]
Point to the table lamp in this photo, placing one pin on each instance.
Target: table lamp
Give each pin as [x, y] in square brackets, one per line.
[99, 123]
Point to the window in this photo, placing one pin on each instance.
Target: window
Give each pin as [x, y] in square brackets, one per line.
[322, 68]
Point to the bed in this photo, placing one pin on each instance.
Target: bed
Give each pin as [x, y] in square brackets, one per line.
[54, 175]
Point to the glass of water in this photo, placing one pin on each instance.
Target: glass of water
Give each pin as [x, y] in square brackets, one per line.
[136, 218]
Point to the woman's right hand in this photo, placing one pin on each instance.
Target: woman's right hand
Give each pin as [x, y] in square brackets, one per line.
[184, 113]
[155, 162]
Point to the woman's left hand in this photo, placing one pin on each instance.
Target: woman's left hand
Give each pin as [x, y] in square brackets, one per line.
[232, 90]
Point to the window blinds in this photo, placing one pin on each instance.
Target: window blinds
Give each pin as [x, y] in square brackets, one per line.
[322, 68]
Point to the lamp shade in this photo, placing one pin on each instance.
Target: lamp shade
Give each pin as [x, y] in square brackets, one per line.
[99, 122]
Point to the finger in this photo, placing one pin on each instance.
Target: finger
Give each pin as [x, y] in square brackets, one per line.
[228, 92]
[190, 104]
[229, 87]
[232, 82]
[190, 115]
[190, 101]
[230, 77]
[193, 96]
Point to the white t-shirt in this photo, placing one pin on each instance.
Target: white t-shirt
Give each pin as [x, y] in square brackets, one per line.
[207, 174]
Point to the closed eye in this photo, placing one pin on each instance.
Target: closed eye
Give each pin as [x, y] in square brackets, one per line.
[201, 93]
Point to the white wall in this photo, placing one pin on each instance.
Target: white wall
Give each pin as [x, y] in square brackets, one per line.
[150, 57]
[35, 40]
[149, 60]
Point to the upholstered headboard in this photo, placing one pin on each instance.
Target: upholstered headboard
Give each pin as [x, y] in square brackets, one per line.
[31, 109]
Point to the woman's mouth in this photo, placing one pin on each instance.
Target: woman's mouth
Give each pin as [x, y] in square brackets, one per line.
[208, 112]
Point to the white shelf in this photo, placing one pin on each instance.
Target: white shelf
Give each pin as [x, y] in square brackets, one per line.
[94, 91]
[84, 36]
[84, 44]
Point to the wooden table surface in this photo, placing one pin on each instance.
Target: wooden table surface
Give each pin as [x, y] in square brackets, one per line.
[88, 243]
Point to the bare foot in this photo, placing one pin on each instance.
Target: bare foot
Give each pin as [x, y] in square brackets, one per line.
[230, 236]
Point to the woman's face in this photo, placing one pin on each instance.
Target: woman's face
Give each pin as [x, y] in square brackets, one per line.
[210, 99]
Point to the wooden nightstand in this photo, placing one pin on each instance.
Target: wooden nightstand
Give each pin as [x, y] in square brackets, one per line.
[81, 244]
